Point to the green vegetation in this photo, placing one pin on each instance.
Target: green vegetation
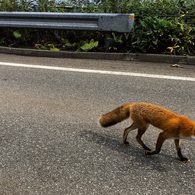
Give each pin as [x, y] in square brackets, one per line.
[155, 30]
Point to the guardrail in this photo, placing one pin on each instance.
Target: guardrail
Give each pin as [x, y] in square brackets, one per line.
[122, 23]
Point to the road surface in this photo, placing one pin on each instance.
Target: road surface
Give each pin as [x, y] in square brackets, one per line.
[50, 142]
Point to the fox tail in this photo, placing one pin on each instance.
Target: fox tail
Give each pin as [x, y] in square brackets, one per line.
[115, 116]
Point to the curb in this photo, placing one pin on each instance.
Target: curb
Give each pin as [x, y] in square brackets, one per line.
[188, 60]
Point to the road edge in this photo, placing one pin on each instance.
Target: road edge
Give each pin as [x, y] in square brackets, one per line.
[139, 57]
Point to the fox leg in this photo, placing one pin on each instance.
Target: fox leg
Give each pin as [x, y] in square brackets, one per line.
[139, 135]
[178, 148]
[126, 132]
[161, 138]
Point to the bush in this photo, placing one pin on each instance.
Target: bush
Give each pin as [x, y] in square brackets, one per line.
[156, 35]
[151, 33]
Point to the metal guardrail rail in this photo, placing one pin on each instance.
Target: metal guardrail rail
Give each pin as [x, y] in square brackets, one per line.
[122, 23]
[68, 21]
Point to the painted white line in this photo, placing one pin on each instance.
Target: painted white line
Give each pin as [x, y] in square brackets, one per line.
[100, 72]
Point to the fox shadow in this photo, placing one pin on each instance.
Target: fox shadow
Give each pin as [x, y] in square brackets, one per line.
[135, 153]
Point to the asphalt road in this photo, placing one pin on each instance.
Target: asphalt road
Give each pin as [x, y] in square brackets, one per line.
[51, 144]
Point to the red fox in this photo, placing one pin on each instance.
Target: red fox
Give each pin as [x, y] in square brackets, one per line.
[142, 114]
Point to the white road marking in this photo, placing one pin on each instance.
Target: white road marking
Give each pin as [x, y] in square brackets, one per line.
[100, 71]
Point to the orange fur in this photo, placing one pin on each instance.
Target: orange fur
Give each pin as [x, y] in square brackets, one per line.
[142, 114]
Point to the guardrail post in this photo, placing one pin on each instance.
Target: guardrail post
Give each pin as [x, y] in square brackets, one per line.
[107, 41]
[58, 38]
[35, 6]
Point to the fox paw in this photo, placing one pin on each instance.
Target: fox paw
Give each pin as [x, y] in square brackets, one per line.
[126, 143]
[147, 149]
[146, 152]
[185, 160]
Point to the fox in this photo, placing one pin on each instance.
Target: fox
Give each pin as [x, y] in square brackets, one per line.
[143, 114]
